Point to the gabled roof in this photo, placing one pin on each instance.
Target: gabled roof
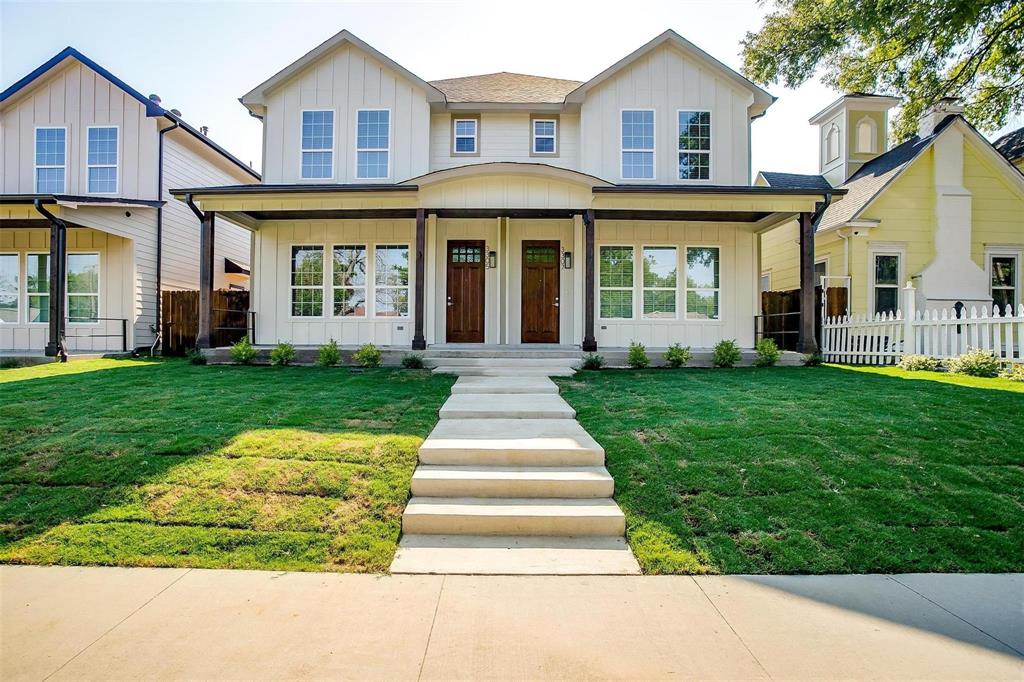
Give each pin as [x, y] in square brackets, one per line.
[1011, 145]
[762, 98]
[506, 87]
[255, 99]
[795, 180]
[865, 100]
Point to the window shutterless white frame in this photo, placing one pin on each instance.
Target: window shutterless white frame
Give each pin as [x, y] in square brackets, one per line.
[29, 294]
[652, 150]
[644, 288]
[631, 289]
[1018, 258]
[456, 137]
[708, 152]
[330, 150]
[36, 167]
[687, 288]
[387, 150]
[68, 294]
[17, 284]
[117, 160]
[873, 286]
[292, 288]
[553, 136]
[377, 287]
[365, 287]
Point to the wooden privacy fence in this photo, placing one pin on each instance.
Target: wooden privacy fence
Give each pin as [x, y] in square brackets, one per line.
[231, 319]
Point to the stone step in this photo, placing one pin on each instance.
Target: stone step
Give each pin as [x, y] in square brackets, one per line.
[516, 384]
[514, 555]
[528, 363]
[469, 371]
[498, 481]
[511, 442]
[506, 406]
[503, 352]
[512, 516]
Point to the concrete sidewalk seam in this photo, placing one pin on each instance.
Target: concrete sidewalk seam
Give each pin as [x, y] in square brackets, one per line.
[726, 621]
[430, 632]
[957, 616]
[117, 624]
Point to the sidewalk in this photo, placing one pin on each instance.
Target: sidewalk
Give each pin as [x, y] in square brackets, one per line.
[111, 623]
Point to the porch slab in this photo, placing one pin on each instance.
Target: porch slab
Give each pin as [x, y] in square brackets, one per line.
[497, 385]
[506, 406]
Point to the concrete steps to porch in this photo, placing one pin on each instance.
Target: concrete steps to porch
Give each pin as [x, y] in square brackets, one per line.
[506, 406]
[504, 384]
[470, 371]
[511, 442]
[513, 516]
[511, 482]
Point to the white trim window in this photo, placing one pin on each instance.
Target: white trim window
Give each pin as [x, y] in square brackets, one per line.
[83, 288]
[373, 143]
[615, 283]
[545, 132]
[349, 280]
[660, 264]
[391, 281]
[51, 160]
[9, 289]
[820, 270]
[1004, 280]
[703, 282]
[694, 145]
[101, 159]
[37, 287]
[317, 145]
[638, 144]
[465, 135]
[307, 281]
[866, 134]
[885, 282]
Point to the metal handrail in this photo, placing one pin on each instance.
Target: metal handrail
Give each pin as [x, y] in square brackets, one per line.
[79, 323]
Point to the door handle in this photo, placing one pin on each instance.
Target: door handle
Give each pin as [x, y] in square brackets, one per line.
[556, 302]
[450, 302]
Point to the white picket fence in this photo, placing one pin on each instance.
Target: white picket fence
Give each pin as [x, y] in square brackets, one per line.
[884, 338]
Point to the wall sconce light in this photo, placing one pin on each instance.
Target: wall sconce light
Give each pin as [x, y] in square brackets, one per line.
[492, 259]
[567, 260]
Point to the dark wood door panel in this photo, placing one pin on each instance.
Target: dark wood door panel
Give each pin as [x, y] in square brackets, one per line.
[540, 291]
[464, 303]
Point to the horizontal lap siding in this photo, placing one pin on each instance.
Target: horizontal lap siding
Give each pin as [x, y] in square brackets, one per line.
[997, 208]
[780, 255]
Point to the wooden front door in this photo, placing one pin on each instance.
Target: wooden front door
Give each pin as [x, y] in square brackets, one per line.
[540, 291]
[465, 295]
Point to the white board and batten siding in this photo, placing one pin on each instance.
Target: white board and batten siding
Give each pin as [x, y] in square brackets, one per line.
[504, 136]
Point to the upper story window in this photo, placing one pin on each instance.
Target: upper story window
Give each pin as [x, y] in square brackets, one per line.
[465, 137]
[51, 160]
[832, 143]
[373, 143]
[694, 145]
[638, 145]
[317, 144]
[544, 136]
[101, 159]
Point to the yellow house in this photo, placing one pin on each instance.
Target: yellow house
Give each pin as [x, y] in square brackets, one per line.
[944, 210]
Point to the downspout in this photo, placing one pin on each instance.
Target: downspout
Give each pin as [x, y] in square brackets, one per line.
[160, 227]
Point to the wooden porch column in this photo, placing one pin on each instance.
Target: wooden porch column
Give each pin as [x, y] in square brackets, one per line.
[206, 231]
[808, 343]
[56, 346]
[589, 340]
[419, 342]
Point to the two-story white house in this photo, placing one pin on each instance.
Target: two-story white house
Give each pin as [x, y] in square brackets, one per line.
[504, 208]
[89, 234]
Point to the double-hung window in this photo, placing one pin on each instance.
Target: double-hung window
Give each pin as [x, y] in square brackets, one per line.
[694, 145]
[349, 273]
[101, 159]
[702, 282]
[391, 281]
[373, 143]
[638, 145]
[616, 282]
[37, 284]
[51, 160]
[886, 288]
[317, 145]
[307, 281]
[83, 287]
[659, 282]
[8, 288]
[465, 131]
[544, 136]
[1004, 274]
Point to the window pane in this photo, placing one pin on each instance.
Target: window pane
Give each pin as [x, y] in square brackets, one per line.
[307, 266]
[307, 302]
[616, 266]
[544, 145]
[102, 147]
[1002, 272]
[695, 130]
[465, 144]
[1003, 298]
[660, 304]
[37, 273]
[350, 302]
[819, 272]
[50, 146]
[349, 266]
[372, 164]
[317, 164]
[694, 166]
[702, 267]
[616, 304]
[39, 308]
[103, 179]
[8, 288]
[544, 128]
[391, 302]
[887, 269]
[392, 266]
[372, 129]
[660, 266]
[637, 165]
[885, 299]
[317, 129]
[83, 273]
[638, 130]
[50, 180]
[702, 305]
[465, 128]
[83, 308]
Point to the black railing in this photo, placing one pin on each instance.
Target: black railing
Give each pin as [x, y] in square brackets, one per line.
[782, 328]
[223, 331]
[87, 328]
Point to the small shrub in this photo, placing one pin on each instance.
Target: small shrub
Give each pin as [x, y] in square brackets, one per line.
[975, 363]
[813, 359]
[10, 363]
[196, 356]
[244, 352]
[768, 353]
[919, 363]
[413, 361]
[677, 356]
[368, 355]
[1014, 372]
[593, 361]
[637, 357]
[328, 355]
[282, 354]
[726, 353]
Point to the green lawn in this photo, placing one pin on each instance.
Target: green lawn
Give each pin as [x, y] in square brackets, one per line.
[812, 470]
[161, 463]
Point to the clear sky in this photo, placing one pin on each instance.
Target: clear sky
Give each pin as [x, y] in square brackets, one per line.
[201, 56]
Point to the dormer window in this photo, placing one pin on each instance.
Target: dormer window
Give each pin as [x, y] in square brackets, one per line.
[832, 143]
[465, 136]
[543, 137]
[317, 145]
[866, 133]
[373, 143]
[638, 144]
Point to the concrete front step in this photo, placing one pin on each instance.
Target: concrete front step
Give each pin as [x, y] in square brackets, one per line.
[528, 363]
[493, 481]
[511, 442]
[471, 371]
[530, 385]
[506, 406]
[502, 352]
[512, 516]
[514, 555]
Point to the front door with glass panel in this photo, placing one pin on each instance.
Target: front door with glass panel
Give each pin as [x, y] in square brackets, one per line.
[465, 292]
[540, 292]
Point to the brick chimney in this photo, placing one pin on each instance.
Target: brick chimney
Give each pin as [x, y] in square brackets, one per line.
[934, 115]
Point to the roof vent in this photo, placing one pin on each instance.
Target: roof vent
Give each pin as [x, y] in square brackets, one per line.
[176, 112]
[155, 98]
[205, 130]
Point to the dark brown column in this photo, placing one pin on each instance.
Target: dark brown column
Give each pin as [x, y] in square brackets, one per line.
[589, 340]
[206, 230]
[56, 346]
[419, 342]
[808, 343]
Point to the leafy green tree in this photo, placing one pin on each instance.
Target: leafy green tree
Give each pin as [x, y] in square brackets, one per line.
[919, 50]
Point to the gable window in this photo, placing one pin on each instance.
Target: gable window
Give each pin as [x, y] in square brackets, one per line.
[659, 282]
[9, 288]
[702, 282]
[373, 142]
[307, 281]
[886, 286]
[544, 136]
[832, 143]
[349, 273]
[616, 283]
[694, 145]
[465, 135]
[866, 136]
[317, 145]
[51, 159]
[1004, 276]
[101, 159]
[37, 284]
[638, 145]
[391, 281]
[83, 287]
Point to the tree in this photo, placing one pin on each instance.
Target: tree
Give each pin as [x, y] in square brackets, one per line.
[920, 50]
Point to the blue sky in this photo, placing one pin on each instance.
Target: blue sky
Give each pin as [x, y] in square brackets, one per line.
[201, 56]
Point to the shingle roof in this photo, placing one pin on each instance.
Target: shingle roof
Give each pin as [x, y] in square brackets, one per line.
[1011, 145]
[795, 180]
[506, 87]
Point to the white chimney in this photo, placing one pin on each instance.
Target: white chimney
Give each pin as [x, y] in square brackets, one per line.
[933, 115]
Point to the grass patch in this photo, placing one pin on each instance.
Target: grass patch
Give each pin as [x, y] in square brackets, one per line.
[162, 463]
[801, 470]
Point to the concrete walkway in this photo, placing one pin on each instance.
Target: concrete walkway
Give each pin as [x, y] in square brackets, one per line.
[111, 623]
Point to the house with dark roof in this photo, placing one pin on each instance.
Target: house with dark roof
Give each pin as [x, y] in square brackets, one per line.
[943, 210]
[88, 238]
[1011, 145]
